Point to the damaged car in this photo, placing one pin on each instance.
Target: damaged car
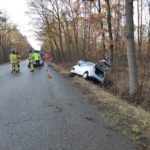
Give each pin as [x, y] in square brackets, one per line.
[88, 70]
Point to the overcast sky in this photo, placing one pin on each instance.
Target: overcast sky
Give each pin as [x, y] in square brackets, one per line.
[16, 11]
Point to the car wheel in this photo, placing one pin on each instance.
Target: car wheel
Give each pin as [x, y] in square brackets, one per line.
[85, 75]
[71, 74]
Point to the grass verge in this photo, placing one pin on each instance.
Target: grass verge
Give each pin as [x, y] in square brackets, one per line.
[131, 120]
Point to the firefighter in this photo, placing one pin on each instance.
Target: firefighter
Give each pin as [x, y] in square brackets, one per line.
[18, 59]
[31, 61]
[13, 61]
[37, 58]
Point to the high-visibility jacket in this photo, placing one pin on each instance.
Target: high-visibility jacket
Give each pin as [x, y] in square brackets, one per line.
[36, 56]
[31, 58]
[18, 58]
[13, 58]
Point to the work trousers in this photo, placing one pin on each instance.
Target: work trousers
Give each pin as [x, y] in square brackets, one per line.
[14, 67]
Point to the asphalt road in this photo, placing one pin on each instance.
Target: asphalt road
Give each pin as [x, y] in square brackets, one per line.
[41, 111]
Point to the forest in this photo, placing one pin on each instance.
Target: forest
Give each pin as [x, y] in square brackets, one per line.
[11, 38]
[69, 31]
[117, 30]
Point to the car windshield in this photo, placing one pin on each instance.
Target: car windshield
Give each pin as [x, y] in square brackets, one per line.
[106, 64]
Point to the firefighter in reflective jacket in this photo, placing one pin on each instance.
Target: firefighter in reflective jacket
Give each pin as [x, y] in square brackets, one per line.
[13, 61]
[37, 58]
[18, 59]
[31, 61]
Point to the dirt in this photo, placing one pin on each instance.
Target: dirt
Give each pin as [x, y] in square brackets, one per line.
[131, 120]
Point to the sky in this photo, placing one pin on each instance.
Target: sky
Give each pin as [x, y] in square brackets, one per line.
[16, 11]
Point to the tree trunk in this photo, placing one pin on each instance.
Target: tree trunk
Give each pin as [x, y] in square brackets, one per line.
[101, 25]
[141, 30]
[133, 78]
[138, 27]
[110, 31]
[116, 37]
[148, 50]
[149, 33]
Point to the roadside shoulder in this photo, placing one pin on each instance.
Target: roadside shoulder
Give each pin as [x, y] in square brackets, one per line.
[132, 121]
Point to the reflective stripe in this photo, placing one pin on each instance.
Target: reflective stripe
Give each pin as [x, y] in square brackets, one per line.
[31, 58]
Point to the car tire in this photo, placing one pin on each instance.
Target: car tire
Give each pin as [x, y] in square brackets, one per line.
[85, 75]
[71, 74]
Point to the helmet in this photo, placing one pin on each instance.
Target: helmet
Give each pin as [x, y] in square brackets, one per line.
[13, 51]
[30, 50]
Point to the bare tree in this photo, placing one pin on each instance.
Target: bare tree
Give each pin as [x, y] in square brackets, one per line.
[133, 78]
[140, 26]
[149, 31]
[111, 47]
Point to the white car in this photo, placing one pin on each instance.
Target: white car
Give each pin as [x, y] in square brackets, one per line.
[88, 70]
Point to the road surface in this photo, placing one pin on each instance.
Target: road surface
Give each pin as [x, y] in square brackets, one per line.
[41, 111]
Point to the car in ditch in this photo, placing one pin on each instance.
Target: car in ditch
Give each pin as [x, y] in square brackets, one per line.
[88, 70]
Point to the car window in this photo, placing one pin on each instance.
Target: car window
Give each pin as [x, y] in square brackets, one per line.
[106, 65]
[99, 72]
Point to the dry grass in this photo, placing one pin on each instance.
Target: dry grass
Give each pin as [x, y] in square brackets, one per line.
[133, 121]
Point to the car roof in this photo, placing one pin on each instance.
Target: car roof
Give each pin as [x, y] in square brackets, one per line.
[85, 63]
[81, 61]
